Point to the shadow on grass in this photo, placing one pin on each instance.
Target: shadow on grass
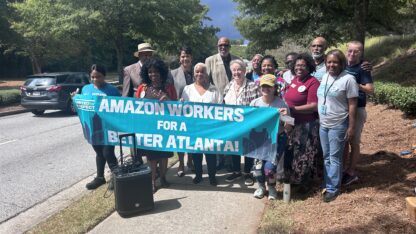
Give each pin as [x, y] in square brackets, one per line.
[403, 65]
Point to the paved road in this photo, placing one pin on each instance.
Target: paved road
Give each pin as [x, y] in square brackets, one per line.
[39, 157]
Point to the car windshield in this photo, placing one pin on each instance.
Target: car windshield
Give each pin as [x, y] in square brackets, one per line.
[40, 81]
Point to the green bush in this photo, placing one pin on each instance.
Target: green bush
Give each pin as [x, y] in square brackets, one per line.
[395, 95]
[10, 96]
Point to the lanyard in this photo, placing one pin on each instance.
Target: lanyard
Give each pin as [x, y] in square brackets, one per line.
[326, 91]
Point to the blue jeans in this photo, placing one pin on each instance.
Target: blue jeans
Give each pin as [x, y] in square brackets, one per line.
[333, 141]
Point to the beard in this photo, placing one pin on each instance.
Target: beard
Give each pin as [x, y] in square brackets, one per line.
[317, 55]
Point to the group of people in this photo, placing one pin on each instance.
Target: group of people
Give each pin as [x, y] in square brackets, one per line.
[324, 93]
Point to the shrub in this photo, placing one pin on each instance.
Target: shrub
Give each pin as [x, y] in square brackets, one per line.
[397, 96]
[9, 96]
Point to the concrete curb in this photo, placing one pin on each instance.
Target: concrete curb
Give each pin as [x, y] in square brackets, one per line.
[13, 112]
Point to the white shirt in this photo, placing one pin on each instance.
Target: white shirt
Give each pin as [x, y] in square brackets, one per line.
[211, 95]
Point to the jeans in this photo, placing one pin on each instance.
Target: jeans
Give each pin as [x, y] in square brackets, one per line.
[103, 154]
[211, 160]
[333, 141]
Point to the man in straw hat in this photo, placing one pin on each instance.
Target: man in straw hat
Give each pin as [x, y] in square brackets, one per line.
[132, 77]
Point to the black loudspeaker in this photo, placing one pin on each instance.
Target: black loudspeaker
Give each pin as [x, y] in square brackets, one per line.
[132, 185]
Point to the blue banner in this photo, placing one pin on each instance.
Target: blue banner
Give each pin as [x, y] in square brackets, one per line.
[180, 126]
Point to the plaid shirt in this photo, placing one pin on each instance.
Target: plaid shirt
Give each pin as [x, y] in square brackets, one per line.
[250, 92]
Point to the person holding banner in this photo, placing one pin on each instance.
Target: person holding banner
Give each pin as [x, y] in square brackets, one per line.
[240, 91]
[271, 99]
[337, 105]
[183, 76]
[302, 147]
[103, 153]
[154, 86]
[202, 91]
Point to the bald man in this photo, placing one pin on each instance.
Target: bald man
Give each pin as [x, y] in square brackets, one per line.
[218, 65]
[317, 48]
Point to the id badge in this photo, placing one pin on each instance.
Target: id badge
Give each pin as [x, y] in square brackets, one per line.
[322, 110]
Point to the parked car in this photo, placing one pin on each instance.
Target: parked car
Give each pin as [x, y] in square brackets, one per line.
[51, 91]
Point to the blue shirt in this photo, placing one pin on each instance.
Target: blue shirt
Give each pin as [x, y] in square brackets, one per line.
[106, 90]
[362, 77]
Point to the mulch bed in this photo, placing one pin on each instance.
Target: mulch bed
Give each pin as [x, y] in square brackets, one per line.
[376, 203]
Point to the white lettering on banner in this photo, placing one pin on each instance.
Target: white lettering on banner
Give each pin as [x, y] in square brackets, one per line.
[167, 125]
[158, 108]
[183, 127]
[177, 142]
[206, 112]
[127, 107]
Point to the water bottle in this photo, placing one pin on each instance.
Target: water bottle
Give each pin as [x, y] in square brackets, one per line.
[286, 192]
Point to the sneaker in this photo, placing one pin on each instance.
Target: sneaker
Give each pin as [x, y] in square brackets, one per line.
[111, 183]
[213, 181]
[328, 197]
[233, 177]
[95, 183]
[259, 193]
[272, 192]
[197, 180]
[349, 179]
[248, 179]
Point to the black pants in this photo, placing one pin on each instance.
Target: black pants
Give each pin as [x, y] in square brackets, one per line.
[103, 154]
[211, 160]
[248, 163]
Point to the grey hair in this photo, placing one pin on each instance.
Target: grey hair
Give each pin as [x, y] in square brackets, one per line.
[239, 62]
[201, 65]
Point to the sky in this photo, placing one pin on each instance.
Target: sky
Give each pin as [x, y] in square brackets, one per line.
[222, 13]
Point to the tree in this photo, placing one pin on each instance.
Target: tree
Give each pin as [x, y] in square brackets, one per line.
[48, 30]
[49, 25]
[266, 23]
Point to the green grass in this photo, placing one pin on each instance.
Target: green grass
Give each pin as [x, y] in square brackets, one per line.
[239, 50]
[277, 217]
[83, 214]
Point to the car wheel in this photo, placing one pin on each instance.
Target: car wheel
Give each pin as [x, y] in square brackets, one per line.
[38, 112]
[70, 108]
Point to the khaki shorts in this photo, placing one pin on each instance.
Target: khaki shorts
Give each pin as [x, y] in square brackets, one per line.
[359, 124]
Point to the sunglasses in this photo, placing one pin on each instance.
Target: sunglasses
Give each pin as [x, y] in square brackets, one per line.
[223, 45]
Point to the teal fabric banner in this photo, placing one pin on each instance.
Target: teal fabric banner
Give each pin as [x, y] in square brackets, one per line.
[180, 126]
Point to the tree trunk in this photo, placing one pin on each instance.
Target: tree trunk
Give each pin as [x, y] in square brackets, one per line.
[119, 52]
[359, 20]
[36, 67]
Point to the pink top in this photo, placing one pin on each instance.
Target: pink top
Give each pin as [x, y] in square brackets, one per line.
[300, 93]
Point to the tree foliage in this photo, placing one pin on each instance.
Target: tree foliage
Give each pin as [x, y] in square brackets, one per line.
[267, 23]
[57, 29]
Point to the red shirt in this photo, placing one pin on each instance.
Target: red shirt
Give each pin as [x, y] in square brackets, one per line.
[300, 93]
[169, 89]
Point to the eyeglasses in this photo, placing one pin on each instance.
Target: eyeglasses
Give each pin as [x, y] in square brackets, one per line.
[224, 45]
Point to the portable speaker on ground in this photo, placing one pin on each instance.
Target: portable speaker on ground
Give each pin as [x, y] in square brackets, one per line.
[132, 185]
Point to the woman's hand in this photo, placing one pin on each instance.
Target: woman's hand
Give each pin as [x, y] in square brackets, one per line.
[283, 111]
[350, 134]
[75, 92]
[163, 98]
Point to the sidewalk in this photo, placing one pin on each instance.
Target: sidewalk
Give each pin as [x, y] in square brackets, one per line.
[188, 208]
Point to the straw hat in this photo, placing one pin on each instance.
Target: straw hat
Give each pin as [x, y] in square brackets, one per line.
[143, 47]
